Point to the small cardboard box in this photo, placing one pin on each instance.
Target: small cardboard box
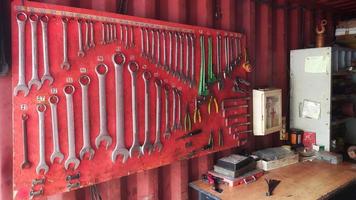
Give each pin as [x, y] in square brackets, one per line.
[274, 164]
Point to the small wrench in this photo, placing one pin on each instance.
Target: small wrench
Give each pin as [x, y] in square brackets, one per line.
[101, 70]
[46, 75]
[126, 37]
[167, 132]
[179, 120]
[147, 146]
[53, 101]
[34, 79]
[169, 66]
[181, 74]
[158, 63]
[164, 63]
[26, 163]
[121, 35]
[86, 43]
[148, 54]
[107, 33]
[133, 67]
[132, 37]
[174, 105]
[218, 63]
[153, 49]
[92, 40]
[69, 90]
[120, 149]
[80, 40]
[142, 43]
[187, 79]
[115, 32]
[103, 34]
[84, 82]
[158, 145]
[21, 85]
[42, 165]
[175, 70]
[65, 64]
[111, 33]
[192, 78]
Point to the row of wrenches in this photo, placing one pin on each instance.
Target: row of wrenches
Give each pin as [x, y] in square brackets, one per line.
[35, 80]
[172, 117]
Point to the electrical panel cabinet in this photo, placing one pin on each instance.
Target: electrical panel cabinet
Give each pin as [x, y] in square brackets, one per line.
[267, 108]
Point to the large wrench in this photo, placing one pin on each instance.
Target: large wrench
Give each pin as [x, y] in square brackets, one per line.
[142, 43]
[34, 79]
[72, 158]
[65, 64]
[158, 145]
[181, 66]
[187, 77]
[169, 67]
[101, 70]
[120, 149]
[103, 34]
[175, 70]
[167, 132]
[153, 49]
[53, 101]
[133, 67]
[47, 74]
[42, 165]
[84, 82]
[21, 84]
[132, 38]
[26, 162]
[148, 54]
[218, 62]
[147, 146]
[80, 40]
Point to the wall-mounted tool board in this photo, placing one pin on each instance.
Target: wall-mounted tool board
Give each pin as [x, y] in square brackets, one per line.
[101, 168]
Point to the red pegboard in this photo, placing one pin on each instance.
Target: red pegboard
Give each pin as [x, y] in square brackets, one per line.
[101, 168]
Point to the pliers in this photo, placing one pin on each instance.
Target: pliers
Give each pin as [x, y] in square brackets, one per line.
[212, 100]
[196, 115]
[187, 120]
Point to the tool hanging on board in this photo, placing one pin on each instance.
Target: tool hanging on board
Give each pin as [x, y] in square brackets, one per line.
[211, 76]
[213, 102]
[187, 119]
[190, 134]
[197, 114]
[247, 64]
[203, 89]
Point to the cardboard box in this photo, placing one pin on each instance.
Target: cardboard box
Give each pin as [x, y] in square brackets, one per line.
[274, 164]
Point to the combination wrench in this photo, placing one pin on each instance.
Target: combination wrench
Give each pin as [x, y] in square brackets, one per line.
[218, 62]
[167, 132]
[132, 38]
[111, 33]
[170, 59]
[142, 43]
[180, 73]
[147, 146]
[175, 70]
[115, 32]
[69, 90]
[179, 117]
[26, 162]
[86, 43]
[192, 78]
[21, 84]
[133, 68]
[126, 37]
[84, 81]
[47, 74]
[148, 54]
[101, 70]
[34, 79]
[120, 149]
[153, 49]
[158, 145]
[107, 33]
[92, 40]
[174, 105]
[65, 64]
[158, 62]
[164, 62]
[187, 78]
[121, 35]
[42, 165]
[53, 101]
[80, 39]
[103, 34]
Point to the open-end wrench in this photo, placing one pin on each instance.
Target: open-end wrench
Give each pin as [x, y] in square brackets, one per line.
[92, 40]
[21, 84]
[218, 63]
[176, 43]
[231, 53]
[47, 74]
[103, 34]
[181, 66]
[153, 49]
[84, 82]
[111, 33]
[132, 37]
[164, 62]
[170, 60]
[226, 53]
[174, 107]
[147, 146]
[120, 149]
[101, 70]
[86, 43]
[148, 54]
[158, 145]
[133, 68]
[34, 79]
[121, 35]
[115, 32]
[26, 163]
[187, 48]
[53, 101]
[158, 62]
[126, 42]
[142, 43]
[179, 118]
[42, 165]
[167, 132]
[107, 33]
[192, 65]
[65, 63]
[69, 90]
[80, 39]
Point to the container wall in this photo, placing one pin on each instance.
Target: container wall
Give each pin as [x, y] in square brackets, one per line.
[272, 29]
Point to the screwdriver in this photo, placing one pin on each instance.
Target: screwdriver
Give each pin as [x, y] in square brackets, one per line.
[190, 134]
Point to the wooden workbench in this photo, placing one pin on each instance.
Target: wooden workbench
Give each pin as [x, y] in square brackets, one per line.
[307, 180]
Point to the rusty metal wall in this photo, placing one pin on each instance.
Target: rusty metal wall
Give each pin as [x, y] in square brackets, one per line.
[272, 29]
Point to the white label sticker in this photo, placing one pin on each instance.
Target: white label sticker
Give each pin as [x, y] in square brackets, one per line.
[315, 64]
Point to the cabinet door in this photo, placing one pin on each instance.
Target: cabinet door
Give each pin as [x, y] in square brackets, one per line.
[273, 116]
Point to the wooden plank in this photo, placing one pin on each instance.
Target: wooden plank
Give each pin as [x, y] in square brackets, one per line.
[142, 8]
[309, 29]
[298, 181]
[147, 184]
[228, 11]
[173, 10]
[294, 28]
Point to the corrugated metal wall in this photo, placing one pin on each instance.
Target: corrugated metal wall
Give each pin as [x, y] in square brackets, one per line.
[272, 28]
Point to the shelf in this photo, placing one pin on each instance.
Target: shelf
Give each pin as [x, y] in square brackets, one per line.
[340, 120]
[343, 73]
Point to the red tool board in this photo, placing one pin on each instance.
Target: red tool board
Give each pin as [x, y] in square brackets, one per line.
[101, 168]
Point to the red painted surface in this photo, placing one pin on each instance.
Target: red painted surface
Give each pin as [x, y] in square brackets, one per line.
[245, 20]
